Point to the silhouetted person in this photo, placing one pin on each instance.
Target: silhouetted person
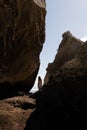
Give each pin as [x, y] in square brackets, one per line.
[39, 82]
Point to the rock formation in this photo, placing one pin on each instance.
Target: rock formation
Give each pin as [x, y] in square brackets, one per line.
[22, 34]
[67, 50]
[63, 100]
[15, 111]
[71, 75]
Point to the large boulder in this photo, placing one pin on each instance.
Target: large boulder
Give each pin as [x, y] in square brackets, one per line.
[22, 34]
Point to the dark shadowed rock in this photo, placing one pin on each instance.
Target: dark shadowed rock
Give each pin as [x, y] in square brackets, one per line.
[67, 50]
[62, 103]
[70, 79]
[22, 34]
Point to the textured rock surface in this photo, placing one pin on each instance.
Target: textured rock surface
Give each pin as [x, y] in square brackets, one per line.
[22, 34]
[14, 112]
[71, 76]
[62, 103]
[67, 50]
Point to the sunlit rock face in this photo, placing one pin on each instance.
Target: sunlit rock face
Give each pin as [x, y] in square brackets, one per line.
[67, 50]
[22, 34]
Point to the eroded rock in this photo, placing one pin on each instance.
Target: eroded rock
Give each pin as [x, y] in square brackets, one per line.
[22, 34]
[63, 100]
[67, 50]
[13, 114]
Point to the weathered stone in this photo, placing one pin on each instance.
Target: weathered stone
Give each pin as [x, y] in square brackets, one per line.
[63, 100]
[22, 34]
[67, 50]
[15, 111]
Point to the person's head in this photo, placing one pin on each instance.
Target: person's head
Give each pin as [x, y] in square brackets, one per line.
[39, 78]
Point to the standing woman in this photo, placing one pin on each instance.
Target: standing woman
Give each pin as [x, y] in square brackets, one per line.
[39, 82]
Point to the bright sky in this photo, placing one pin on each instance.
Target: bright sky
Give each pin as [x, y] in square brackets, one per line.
[62, 15]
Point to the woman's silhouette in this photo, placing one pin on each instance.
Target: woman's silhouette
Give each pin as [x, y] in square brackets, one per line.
[39, 82]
